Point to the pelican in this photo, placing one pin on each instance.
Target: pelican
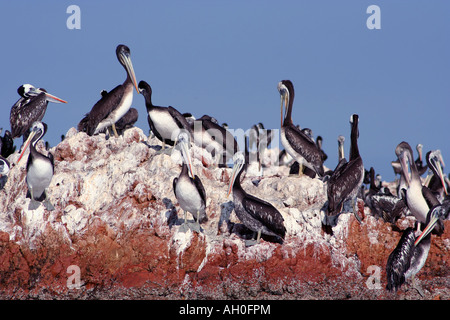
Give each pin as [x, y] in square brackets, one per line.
[29, 108]
[415, 192]
[256, 214]
[346, 180]
[189, 190]
[114, 104]
[165, 122]
[406, 260]
[6, 144]
[436, 214]
[436, 183]
[40, 169]
[302, 148]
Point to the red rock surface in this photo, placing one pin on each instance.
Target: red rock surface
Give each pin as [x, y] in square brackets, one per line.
[129, 245]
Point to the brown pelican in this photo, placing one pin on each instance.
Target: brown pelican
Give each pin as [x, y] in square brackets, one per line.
[114, 104]
[39, 169]
[29, 108]
[346, 180]
[406, 260]
[436, 182]
[256, 214]
[165, 122]
[436, 215]
[189, 189]
[416, 194]
[301, 147]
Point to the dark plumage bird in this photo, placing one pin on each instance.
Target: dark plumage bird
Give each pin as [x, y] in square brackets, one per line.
[256, 214]
[40, 169]
[299, 145]
[437, 181]
[417, 196]
[114, 104]
[189, 189]
[436, 215]
[127, 121]
[7, 146]
[319, 141]
[406, 260]
[346, 180]
[29, 108]
[165, 122]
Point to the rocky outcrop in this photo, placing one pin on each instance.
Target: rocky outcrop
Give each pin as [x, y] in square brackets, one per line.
[115, 228]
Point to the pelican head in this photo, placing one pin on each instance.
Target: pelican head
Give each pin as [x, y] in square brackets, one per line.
[123, 55]
[435, 163]
[183, 142]
[286, 90]
[38, 130]
[28, 91]
[4, 166]
[239, 161]
[404, 154]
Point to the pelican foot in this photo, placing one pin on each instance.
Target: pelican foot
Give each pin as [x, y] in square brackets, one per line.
[33, 204]
[183, 228]
[249, 243]
[195, 226]
[48, 205]
[416, 286]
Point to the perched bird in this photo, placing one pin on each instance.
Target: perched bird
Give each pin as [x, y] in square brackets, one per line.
[114, 104]
[40, 169]
[436, 182]
[437, 214]
[298, 144]
[256, 214]
[406, 260]
[188, 189]
[29, 108]
[7, 146]
[417, 196]
[346, 180]
[165, 122]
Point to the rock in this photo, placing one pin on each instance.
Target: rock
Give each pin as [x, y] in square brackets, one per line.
[116, 218]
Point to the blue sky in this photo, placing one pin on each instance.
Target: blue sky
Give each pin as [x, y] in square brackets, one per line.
[225, 58]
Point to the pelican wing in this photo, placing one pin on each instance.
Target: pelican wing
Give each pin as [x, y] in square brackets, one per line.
[25, 112]
[342, 183]
[180, 119]
[264, 212]
[103, 108]
[304, 145]
[201, 189]
[399, 260]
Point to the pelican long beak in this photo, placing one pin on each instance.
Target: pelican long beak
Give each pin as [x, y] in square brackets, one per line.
[130, 70]
[441, 176]
[186, 156]
[433, 220]
[48, 96]
[27, 144]
[404, 165]
[281, 108]
[53, 98]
